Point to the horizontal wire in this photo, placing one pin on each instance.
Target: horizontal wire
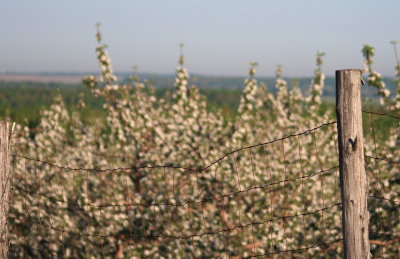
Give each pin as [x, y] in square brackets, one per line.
[386, 234]
[184, 237]
[383, 159]
[383, 198]
[188, 202]
[54, 253]
[382, 114]
[297, 249]
[188, 170]
[121, 169]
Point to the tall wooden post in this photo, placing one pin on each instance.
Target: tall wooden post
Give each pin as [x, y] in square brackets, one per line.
[5, 179]
[353, 180]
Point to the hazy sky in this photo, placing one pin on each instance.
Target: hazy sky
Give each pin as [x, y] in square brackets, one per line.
[221, 36]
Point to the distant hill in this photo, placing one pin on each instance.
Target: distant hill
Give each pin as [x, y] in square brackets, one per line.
[23, 96]
[201, 81]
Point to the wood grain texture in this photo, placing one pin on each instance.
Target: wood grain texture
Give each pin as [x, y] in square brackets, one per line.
[353, 180]
[5, 180]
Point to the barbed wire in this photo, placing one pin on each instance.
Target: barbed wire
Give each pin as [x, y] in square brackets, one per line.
[386, 234]
[381, 114]
[297, 249]
[185, 237]
[188, 202]
[188, 170]
[316, 245]
[205, 230]
[383, 159]
[381, 222]
[383, 198]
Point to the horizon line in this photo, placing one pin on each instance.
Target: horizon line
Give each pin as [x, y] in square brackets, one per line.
[127, 73]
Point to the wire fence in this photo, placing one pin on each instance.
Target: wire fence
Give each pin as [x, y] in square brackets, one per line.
[277, 198]
[382, 163]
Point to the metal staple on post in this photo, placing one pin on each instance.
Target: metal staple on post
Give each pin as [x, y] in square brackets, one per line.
[353, 180]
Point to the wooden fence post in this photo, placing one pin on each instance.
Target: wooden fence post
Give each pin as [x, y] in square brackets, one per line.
[5, 179]
[353, 180]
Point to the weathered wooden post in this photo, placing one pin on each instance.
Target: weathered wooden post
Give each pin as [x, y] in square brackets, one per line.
[353, 180]
[5, 180]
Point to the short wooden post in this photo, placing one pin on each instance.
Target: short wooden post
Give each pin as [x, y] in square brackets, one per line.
[353, 180]
[5, 179]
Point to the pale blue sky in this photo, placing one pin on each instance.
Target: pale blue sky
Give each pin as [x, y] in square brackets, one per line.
[221, 37]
